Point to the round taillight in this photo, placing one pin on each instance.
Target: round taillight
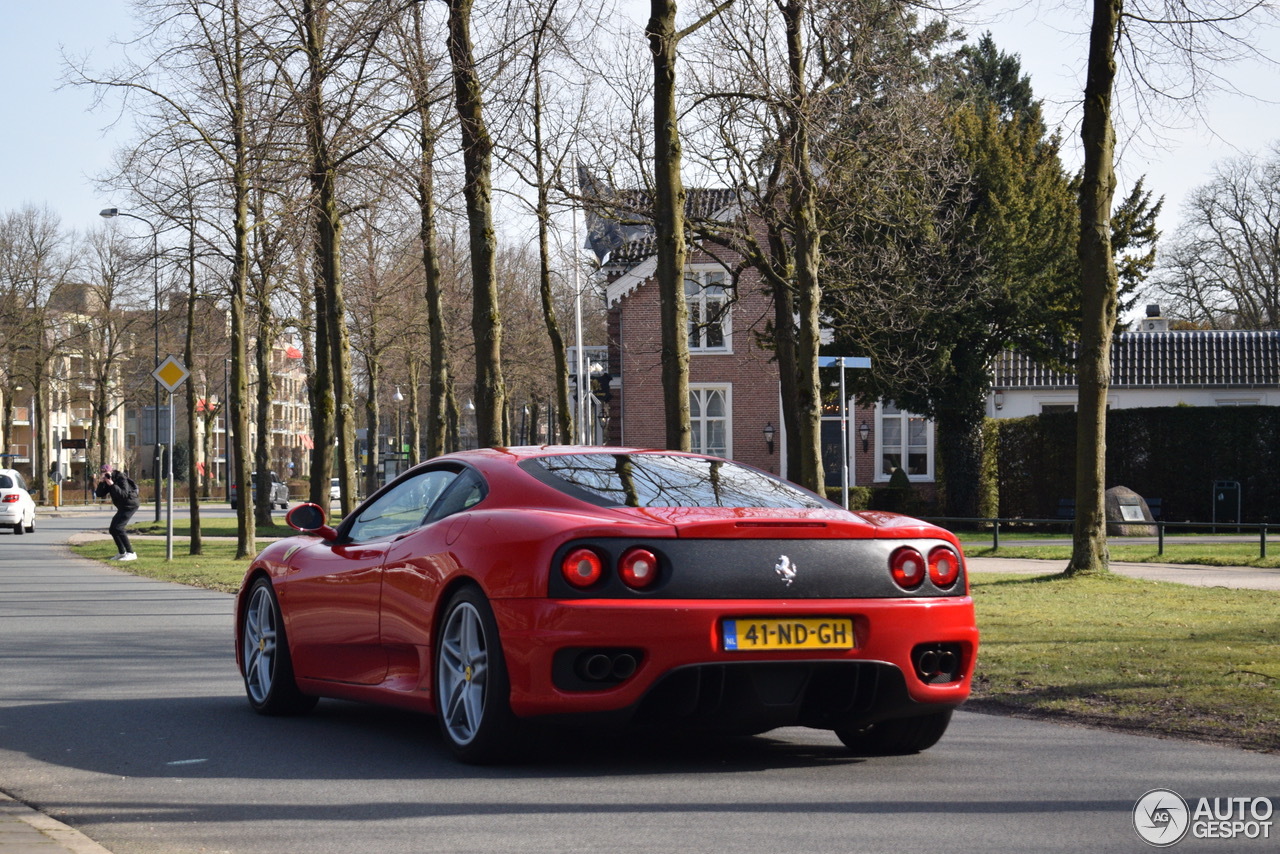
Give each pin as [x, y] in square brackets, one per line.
[582, 567]
[638, 568]
[944, 566]
[907, 567]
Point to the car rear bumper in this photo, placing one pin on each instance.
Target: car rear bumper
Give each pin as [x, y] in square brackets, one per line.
[681, 665]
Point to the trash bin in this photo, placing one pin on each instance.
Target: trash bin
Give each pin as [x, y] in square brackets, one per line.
[1226, 501]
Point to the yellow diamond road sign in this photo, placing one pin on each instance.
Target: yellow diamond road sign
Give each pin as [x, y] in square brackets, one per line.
[171, 374]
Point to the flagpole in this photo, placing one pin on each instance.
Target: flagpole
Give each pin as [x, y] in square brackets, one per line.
[577, 320]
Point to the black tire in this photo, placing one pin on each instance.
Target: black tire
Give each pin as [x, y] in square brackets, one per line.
[472, 690]
[267, 667]
[31, 529]
[18, 529]
[897, 736]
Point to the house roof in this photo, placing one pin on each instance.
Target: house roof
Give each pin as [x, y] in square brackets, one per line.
[632, 259]
[637, 205]
[1165, 359]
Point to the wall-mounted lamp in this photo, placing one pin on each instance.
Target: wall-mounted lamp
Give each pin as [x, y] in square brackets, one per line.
[998, 397]
[864, 433]
[769, 433]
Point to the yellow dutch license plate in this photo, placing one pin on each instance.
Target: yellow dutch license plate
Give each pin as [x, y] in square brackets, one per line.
[798, 633]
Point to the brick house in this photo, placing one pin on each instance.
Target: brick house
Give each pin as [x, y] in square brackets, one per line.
[735, 405]
[733, 380]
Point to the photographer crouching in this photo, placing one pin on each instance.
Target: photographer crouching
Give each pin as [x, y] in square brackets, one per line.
[124, 495]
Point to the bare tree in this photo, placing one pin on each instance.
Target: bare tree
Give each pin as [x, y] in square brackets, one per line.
[1150, 39]
[542, 136]
[669, 213]
[201, 74]
[423, 74]
[830, 89]
[477, 156]
[36, 263]
[111, 326]
[1223, 269]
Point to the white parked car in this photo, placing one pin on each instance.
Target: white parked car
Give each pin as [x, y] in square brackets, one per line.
[17, 510]
[335, 490]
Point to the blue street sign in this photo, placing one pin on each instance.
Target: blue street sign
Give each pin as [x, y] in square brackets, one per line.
[849, 361]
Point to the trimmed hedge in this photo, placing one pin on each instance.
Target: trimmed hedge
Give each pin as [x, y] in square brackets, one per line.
[1171, 453]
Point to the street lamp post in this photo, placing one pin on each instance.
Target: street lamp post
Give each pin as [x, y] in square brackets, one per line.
[109, 213]
[399, 399]
[226, 425]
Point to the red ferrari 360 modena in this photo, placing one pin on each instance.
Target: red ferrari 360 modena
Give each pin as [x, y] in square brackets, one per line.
[499, 588]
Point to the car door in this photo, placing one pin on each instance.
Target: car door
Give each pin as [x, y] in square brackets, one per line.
[332, 596]
[416, 566]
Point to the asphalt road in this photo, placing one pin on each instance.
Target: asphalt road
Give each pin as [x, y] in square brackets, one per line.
[122, 714]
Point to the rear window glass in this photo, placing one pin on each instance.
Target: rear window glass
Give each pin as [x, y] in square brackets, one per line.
[6, 482]
[666, 480]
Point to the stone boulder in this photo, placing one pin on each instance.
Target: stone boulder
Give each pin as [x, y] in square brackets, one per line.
[1128, 514]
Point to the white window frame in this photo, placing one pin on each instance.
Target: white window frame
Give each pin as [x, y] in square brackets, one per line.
[697, 422]
[1237, 401]
[930, 462]
[704, 277]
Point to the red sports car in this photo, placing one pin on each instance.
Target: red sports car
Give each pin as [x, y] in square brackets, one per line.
[498, 588]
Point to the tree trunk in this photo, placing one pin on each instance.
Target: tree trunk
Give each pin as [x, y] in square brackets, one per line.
[413, 426]
[188, 355]
[262, 451]
[669, 198]
[420, 71]
[238, 413]
[808, 256]
[1098, 294]
[477, 156]
[373, 427]
[238, 409]
[328, 223]
[558, 353]
[784, 348]
[438, 381]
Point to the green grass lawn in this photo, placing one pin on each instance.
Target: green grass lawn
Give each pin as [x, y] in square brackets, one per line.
[215, 569]
[1143, 655]
[1148, 656]
[210, 526]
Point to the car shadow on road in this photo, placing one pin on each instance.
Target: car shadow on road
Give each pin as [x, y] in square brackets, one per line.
[219, 736]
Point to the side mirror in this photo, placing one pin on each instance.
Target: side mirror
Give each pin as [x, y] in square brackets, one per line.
[310, 519]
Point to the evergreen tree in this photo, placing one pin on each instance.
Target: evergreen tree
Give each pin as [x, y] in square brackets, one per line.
[986, 263]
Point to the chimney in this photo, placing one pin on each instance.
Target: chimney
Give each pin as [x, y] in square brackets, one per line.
[1153, 322]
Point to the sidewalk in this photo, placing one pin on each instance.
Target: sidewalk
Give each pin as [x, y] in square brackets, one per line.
[27, 831]
[1244, 577]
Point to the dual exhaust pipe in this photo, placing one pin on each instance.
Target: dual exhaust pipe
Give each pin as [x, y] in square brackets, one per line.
[937, 663]
[606, 665]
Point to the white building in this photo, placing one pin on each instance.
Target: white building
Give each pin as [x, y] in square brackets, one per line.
[1152, 367]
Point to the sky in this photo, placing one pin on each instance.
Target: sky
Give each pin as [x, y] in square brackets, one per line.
[51, 145]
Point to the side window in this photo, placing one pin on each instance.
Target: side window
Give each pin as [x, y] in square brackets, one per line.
[401, 509]
[466, 492]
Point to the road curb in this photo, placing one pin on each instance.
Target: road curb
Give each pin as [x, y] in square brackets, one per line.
[25, 829]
